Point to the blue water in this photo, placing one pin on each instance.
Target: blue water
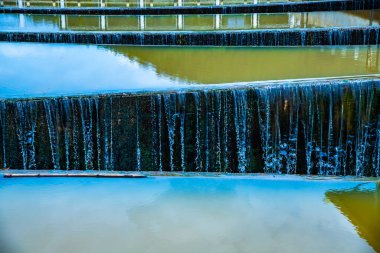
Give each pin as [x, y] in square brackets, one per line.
[176, 214]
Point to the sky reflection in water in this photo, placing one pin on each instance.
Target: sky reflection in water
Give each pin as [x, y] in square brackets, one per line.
[180, 215]
[32, 69]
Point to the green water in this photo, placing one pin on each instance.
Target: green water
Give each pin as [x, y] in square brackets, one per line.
[23, 22]
[188, 214]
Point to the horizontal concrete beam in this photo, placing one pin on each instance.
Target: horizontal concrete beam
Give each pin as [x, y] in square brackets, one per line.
[271, 37]
[98, 175]
[332, 5]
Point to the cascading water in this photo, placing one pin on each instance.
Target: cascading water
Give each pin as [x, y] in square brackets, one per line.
[26, 128]
[182, 104]
[240, 106]
[170, 112]
[326, 128]
[3, 131]
[366, 35]
[138, 150]
[52, 121]
[198, 158]
[86, 111]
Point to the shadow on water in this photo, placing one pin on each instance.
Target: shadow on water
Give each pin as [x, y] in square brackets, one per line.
[361, 205]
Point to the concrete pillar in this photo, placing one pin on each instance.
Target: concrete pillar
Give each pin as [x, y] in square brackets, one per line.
[291, 20]
[218, 22]
[141, 3]
[62, 3]
[19, 3]
[103, 22]
[21, 23]
[63, 22]
[179, 22]
[255, 20]
[142, 22]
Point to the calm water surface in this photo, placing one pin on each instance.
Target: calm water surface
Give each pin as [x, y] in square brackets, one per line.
[32, 69]
[163, 214]
[53, 23]
[131, 3]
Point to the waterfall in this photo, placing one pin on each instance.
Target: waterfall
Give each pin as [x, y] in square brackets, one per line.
[107, 134]
[111, 156]
[154, 152]
[159, 120]
[240, 106]
[376, 152]
[367, 35]
[363, 128]
[206, 141]
[26, 128]
[86, 109]
[325, 128]
[52, 121]
[3, 115]
[268, 146]
[98, 133]
[308, 127]
[218, 131]
[138, 150]
[170, 112]
[182, 103]
[75, 135]
[198, 158]
[67, 119]
[225, 132]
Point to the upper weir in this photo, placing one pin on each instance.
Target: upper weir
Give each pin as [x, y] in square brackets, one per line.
[307, 6]
[271, 37]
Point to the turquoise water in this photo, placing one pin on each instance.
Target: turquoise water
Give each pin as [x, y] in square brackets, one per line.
[182, 214]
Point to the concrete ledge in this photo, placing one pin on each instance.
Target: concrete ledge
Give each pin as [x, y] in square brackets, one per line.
[47, 174]
[278, 37]
[332, 5]
[97, 134]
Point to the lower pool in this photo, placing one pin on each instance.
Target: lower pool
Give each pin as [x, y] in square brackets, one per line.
[189, 214]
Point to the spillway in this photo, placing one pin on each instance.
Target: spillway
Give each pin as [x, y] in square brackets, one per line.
[298, 127]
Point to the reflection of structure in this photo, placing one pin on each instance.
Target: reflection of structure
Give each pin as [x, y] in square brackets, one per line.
[373, 59]
[362, 208]
[192, 22]
[220, 65]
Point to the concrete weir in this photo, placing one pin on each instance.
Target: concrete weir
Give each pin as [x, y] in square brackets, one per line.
[323, 127]
[272, 37]
[307, 6]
